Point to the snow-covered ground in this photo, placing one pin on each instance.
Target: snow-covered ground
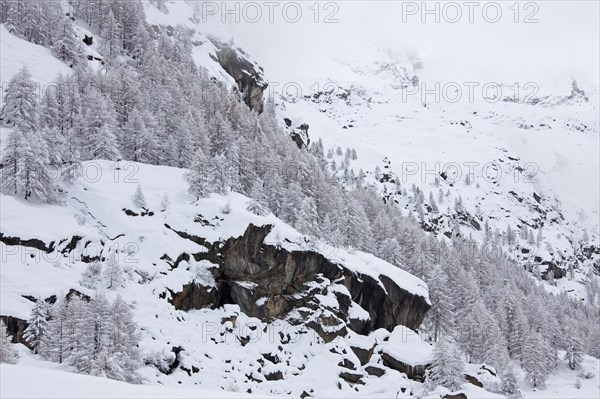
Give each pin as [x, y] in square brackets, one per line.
[33, 378]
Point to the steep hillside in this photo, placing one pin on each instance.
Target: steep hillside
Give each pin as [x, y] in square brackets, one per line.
[264, 301]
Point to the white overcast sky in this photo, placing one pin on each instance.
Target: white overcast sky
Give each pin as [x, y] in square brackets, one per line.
[564, 42]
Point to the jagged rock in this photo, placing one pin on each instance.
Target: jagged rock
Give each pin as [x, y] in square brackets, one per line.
[272, 358]
[170, 367]
[260, 278]
[72, 292]
[277, 375]
[347, 364]
[247, 75]
[363, 355]
[195, 296]
[231, 319]
[72, 244]
[300, 137]
[374, 370]
[558, 271]
[354, 378]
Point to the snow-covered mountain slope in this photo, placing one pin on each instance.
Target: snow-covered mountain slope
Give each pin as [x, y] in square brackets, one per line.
[532, 160]
[47, 250]
[228, 297]
[530, 145]
[17, 52]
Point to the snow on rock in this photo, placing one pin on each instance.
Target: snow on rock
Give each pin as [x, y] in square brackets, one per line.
[406, 352]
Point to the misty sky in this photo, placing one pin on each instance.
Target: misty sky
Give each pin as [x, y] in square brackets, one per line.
[563, 42]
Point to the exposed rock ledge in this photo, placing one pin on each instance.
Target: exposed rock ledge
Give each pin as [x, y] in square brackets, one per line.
[247, 75]
[270, 282]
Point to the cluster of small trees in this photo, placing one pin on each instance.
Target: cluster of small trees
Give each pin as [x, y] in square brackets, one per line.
[95, 336]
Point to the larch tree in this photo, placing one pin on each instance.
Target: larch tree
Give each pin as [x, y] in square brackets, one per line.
[19, 109]
[65, 47]
[574, 353]
[7, 353]
[54, 345]
[197, 177]
[440, 318]
[112, 272]
[37, 326]
[535, 359]
[447, 366]
[139, 200]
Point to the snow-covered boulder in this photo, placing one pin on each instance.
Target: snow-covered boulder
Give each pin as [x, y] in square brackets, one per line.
[406, 352]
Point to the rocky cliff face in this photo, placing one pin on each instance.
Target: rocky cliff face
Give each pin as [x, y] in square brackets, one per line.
[247, 75]
[271, 282]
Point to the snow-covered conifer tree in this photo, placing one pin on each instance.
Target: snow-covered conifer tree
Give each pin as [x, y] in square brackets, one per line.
[19, 109]
[447, 367]
[65, 47]
[37, 326]
[574, 353]
[7, 353]
[113, 274]
[139, 200]
[198, 176]
[535, 359]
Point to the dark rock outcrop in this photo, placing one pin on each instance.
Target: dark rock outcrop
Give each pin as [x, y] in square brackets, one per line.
[299, 135]
[31, 243]
[15, 327]
[268, 281]
[247, 75]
